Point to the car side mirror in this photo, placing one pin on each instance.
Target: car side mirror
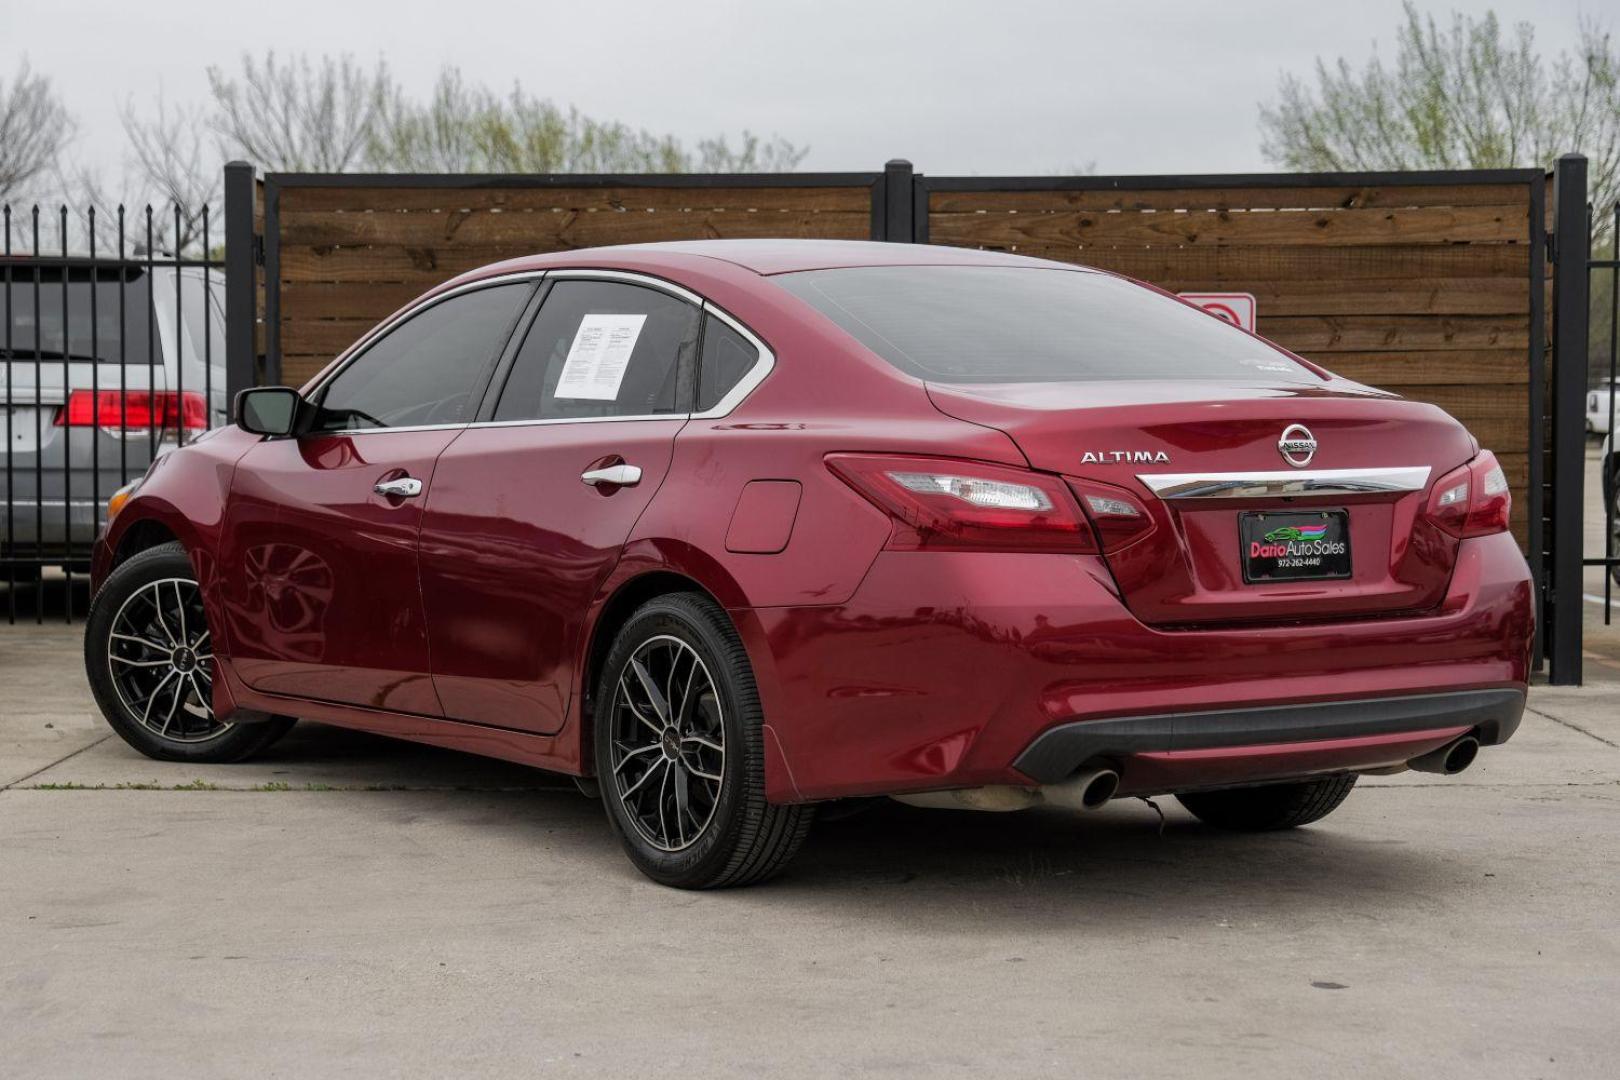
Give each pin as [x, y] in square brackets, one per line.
[269, 410]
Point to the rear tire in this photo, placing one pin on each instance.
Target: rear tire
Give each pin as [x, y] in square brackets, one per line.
[150, 664]
[680, 751]
[1271, 806]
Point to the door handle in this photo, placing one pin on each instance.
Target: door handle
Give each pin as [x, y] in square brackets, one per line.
[617, 475]
[406, 487]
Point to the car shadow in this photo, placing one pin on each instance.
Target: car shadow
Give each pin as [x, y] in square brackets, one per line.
[1116, 869]
[1119, 868]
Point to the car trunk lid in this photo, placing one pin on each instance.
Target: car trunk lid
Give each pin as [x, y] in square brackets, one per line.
[1199, 455]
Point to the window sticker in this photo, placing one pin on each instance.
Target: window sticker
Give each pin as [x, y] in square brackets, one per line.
[598, 357]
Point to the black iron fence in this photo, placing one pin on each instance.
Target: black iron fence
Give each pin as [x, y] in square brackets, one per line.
[112, 350]
[1602, 393]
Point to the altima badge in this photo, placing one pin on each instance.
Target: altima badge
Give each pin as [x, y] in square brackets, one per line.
[1297, 445]
[1119, 457]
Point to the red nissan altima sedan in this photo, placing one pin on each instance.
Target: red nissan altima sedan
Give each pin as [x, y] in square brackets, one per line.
[730, 529]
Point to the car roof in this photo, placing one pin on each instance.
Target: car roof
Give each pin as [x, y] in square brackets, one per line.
[785, 256]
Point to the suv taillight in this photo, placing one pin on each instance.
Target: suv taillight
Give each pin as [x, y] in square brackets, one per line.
[135, 410]
[1473, 500]
[945, 503]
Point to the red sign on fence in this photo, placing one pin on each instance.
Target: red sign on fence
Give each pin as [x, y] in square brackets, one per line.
[1236, 308]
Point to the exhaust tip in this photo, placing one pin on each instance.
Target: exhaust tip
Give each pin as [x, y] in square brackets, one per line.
[1100, 789]
[1450, 759]
[1461, 755]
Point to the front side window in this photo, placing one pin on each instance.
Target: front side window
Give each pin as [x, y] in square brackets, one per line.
[602, 349]
[427, 369]
[963, 324]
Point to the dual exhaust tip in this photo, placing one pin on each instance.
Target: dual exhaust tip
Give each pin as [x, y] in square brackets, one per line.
[1091, 788]
[1086, 790]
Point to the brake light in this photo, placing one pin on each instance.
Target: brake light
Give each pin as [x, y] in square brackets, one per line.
[132, 410]
[1115, 513]
[1473, 500]
[943, 503]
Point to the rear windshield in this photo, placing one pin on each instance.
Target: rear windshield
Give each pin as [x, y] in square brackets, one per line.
[962, 324]
[40, 317]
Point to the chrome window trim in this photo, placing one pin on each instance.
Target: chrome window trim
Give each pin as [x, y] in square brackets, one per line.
[353, 352]
[683, 417]
[751, 378]
[1255, 485]
[733, 397]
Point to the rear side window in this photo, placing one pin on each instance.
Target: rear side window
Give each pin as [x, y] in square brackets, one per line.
[602, 349]
[962, 324]
[727, 357]
[427, 369]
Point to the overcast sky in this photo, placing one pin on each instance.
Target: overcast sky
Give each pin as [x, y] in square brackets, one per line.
[1013, 86]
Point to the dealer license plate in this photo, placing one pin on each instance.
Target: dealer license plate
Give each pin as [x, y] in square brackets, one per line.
[1294, 546]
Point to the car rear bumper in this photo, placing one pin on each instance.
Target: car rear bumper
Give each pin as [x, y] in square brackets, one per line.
[964, 669]
[1059, 752]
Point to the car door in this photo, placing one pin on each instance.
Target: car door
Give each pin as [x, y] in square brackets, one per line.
[529, 510]
[318, 560]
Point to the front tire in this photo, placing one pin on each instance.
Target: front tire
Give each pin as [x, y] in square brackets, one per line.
[1271, 806]
[148, 652]
[680, 751]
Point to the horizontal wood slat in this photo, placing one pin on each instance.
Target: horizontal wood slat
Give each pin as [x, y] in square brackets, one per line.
[1408, 374]
[1243, 198]
[854, 199]
[544, 230]
[1430, 225]
[1379, 296]
[1243, 267]
[1309, 335]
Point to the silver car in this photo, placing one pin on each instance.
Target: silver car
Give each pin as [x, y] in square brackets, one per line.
[1600, 408]
[97, 376]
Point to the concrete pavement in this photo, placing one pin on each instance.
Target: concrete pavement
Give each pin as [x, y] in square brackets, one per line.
[352, 905]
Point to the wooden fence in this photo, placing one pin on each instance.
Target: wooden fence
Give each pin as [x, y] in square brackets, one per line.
[1426, 284]
[1430, 284]
[350, 250]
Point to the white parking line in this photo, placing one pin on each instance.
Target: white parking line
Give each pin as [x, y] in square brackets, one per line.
[1598, 600]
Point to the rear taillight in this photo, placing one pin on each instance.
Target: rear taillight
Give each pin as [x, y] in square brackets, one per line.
[137, 410]
[1473, 500]
[1115, 513]
[944, 503]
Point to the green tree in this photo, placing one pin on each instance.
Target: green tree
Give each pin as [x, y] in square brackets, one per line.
[468, 128]
[1468, 95]
[1464, 95]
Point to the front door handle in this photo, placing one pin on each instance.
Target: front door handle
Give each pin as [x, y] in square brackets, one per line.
[617, 475]
[406, 487]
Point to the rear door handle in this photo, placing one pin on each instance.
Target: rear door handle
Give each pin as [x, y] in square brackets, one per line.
[406, 487]
[617, 475]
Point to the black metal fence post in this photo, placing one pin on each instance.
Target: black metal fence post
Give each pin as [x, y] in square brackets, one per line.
[241, 313]
[1571, 242]
[899, 191]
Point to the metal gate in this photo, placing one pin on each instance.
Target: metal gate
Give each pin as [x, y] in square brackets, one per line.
[1601, 395]
[112, 350]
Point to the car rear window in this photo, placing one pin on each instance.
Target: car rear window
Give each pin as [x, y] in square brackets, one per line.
[962, 324]
[54, 322]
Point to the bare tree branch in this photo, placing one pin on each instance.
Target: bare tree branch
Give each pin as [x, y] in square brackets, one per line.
[299, 116]
[34, 127]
